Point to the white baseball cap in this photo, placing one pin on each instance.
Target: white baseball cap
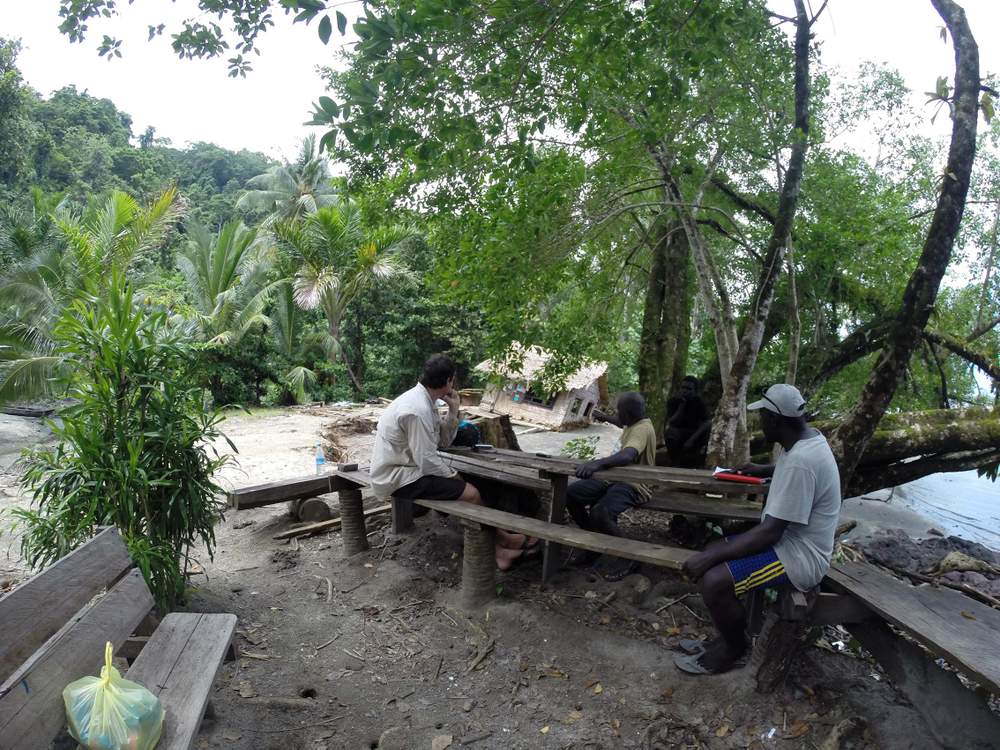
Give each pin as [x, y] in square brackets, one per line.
[782, 399]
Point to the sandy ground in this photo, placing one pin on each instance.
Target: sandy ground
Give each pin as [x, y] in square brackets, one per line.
[386, 659]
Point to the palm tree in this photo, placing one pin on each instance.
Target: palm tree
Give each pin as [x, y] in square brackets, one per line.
[291, 191]
[337, 258]
[227, 276]
[24, 229]
[289, 342]
[35, 292]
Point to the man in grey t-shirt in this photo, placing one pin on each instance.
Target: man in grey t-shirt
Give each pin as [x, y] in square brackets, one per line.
[792, 543]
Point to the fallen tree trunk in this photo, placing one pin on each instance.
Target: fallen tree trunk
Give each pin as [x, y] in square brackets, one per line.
[914, 444]
[880, 476]
[920, 433]
[920, 439]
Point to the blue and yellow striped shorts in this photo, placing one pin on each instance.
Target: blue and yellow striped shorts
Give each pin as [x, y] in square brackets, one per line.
[761, 570]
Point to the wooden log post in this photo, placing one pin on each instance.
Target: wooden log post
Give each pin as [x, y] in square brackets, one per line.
[402, 515]
[352, 519]
[478, 565]
[313, 510]
[557, 514]
[784, 632]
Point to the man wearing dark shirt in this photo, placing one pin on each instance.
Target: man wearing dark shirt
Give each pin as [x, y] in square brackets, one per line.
[595, 504]
[688, 424]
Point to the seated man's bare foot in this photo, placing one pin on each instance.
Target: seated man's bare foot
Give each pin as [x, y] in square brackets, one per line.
[505, 557]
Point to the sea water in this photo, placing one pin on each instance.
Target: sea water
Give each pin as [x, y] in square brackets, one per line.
[961, 502]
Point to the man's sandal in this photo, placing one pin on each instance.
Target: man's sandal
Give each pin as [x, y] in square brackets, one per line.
[701, 664]
[691, 646]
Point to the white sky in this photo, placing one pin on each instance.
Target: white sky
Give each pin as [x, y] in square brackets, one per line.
[194, 100]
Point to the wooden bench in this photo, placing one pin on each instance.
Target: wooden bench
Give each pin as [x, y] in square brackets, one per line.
[53, 628]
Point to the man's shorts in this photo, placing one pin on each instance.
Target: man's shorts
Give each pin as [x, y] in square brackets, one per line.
[763, 570]
[432, 488]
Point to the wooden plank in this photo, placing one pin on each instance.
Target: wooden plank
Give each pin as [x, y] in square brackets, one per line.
[299, 488]
[692, 480]
[517, 476]
[179, 665]
[699, 505]
[358, 478]
[654, 554]
[562, 464]
[31, 706]
[333, 523]
[557, 515]
[933, 616]
[40, 606]
[28, 411]
[506, 454]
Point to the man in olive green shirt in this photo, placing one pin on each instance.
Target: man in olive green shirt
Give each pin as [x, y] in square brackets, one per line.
[594, 504]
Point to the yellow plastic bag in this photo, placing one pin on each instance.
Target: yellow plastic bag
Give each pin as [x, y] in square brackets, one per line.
[112, 713]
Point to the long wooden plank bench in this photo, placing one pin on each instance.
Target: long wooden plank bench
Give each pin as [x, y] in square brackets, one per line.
[954, 626]
[706, 507]
[54, 627]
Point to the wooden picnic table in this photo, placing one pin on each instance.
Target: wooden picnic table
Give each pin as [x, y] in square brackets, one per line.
[698, 481]
[676, 490]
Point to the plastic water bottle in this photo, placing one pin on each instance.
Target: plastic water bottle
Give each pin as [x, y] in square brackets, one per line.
[320, 459]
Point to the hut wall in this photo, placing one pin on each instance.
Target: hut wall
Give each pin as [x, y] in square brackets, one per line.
[559, 415]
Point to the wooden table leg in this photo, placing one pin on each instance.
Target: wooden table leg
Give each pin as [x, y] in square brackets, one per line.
[557, 514]
[352, 526]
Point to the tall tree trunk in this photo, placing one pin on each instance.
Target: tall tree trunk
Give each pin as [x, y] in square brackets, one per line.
[851, 439]
[728, 444]
[334, 330]
[794, 321]
[666, 319]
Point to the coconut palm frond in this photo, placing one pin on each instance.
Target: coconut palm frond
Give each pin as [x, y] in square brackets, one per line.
[312, 284]
[28, 377]
[291, 191]
[147, 229]
[228, 277]
[297, 379]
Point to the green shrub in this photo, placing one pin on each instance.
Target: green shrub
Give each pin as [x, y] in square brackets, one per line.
[133, 451]
[583, 448]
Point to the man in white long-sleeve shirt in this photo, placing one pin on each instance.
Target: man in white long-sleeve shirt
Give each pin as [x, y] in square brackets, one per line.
[405, 463]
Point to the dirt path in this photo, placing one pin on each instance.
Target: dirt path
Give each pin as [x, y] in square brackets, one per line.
[384, 657]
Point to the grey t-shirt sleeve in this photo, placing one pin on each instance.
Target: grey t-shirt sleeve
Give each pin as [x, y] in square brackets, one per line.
[791, 495]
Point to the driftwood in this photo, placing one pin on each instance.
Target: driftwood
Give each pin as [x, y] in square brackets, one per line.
[976, 594]
[331, 525]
